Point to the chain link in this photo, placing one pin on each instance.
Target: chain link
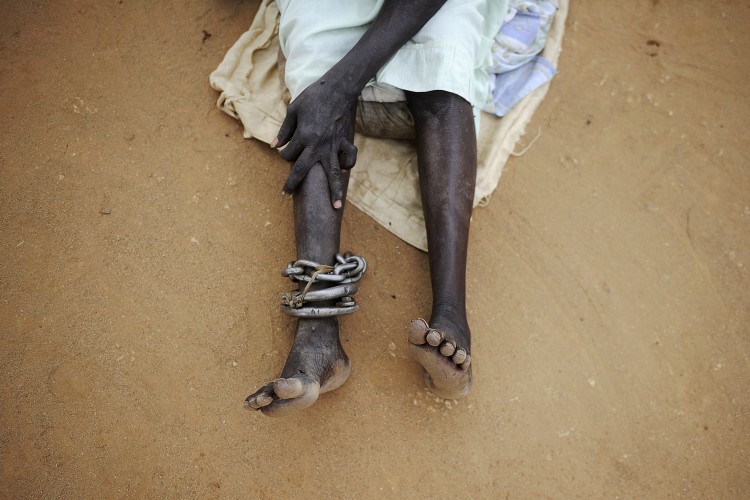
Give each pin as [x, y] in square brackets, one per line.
[347, 270]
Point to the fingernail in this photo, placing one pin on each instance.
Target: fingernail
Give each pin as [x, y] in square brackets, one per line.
[337, 204]
[274, 142]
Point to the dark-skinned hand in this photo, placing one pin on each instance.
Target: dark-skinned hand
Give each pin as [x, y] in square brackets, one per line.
[319, 128]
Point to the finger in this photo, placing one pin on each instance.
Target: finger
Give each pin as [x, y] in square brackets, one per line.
[293, 150]
[287, 129]
[299, 170]
[347, 155]
[333, 172]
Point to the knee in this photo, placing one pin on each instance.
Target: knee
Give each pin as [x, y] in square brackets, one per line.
[438, 106]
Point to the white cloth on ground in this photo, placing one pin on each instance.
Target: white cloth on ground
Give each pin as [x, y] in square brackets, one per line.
[516, 68]
[384, 183]
[523, 35]
[510, 87]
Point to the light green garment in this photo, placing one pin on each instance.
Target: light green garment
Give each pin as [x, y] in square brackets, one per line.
[451, 52]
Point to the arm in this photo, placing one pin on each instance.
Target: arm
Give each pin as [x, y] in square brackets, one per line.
[319, 125]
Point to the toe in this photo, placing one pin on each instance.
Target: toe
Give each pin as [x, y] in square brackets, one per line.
[448, 348]
[284, 396]
[260, 398]
[263, 400]
[288, 388]
[435, 337]
[281, 407]
[460, 356]
[467, 363]
[417, 331]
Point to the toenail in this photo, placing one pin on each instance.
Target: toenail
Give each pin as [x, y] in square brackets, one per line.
[263, 400]
[435, 337]
[459, 357]
[448, 348]
[420, 322]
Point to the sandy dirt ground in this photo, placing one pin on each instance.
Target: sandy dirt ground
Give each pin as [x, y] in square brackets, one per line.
[141, 240]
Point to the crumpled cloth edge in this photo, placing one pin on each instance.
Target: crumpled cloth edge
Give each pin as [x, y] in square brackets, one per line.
[513, 125]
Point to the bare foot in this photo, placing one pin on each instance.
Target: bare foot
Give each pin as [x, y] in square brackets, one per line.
[443, 352]
[316, 364]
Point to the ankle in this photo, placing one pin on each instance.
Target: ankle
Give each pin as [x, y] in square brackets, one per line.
[449, 311]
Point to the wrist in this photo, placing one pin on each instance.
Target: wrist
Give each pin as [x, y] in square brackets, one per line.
[347, 79]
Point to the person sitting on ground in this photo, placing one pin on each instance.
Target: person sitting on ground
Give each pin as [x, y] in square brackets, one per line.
[433, 51]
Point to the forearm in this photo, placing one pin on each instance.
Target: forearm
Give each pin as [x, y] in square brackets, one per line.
[396, 23]
[319, 124]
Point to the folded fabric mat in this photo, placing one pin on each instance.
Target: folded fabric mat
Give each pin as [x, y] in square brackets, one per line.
[384, 183]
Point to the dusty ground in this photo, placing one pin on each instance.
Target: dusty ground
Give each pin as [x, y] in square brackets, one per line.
[609, 283]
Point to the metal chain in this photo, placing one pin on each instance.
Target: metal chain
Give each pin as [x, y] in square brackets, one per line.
[343, 276]
[348, 268]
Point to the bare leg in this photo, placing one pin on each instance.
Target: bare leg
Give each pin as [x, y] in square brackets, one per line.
[447, 157]
[316, 363]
